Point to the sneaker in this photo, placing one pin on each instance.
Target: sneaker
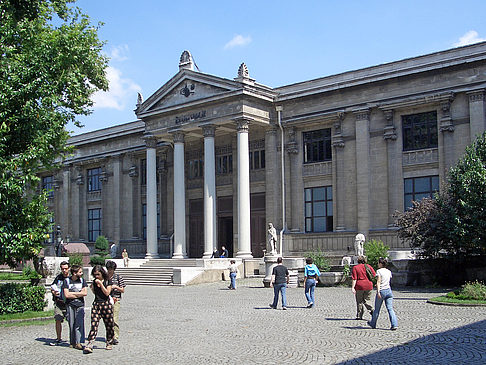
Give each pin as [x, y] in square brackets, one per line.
[271, 306]
[369, 324]
[310, 305]
[284, 308]
[56, 343]
[394, 328]
[115, 341]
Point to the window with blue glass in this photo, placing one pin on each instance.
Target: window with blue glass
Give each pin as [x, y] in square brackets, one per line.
[317, 145]
[47, 184]
[94, 182]
[144, 221]
[417, 188]
[419, 131]
[94, 224]
[318, 209]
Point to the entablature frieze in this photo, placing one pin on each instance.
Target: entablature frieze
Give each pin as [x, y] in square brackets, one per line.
[410, 101]
[420, 157]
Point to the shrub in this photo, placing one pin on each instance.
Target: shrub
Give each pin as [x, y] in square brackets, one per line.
[75, 259]
[320, 260]
[29, 273]
[102, 246]
[97, 260]
[375, 249]
[18, 298]
[470, 291]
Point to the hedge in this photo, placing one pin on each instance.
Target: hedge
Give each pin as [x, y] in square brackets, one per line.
[18, 298]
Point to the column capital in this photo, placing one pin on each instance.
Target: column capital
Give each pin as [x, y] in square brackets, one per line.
[389, 133]
[446, 123]
[362, 114]
[178, 136]
[242, 124]
[209, 130]
[150, 141]
[476, 95]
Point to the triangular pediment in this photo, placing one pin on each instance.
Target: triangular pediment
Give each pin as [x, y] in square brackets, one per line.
[185, 88]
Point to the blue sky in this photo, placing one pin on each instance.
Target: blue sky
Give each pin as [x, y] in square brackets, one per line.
[281, 42]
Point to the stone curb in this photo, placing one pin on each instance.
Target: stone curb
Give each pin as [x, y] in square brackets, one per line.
[431, 301]
[26, 320]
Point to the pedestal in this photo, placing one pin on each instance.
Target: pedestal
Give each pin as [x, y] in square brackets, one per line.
[270, 263]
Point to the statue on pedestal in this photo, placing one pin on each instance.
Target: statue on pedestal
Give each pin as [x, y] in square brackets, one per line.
[358, 244]
[272, 239]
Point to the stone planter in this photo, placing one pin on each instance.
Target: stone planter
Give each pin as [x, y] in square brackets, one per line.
[331, 278]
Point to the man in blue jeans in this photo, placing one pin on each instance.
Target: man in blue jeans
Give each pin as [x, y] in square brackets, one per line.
[280, 279]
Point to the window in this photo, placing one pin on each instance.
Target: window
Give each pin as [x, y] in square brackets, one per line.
[224, 164]
[257, 160]
[417, 188]
[196, 169]
[143, 172]
[94, 224]
[317, 146]
[48, 186]
[144, 221]
[419, 131]
[94, 182]
[318, 209]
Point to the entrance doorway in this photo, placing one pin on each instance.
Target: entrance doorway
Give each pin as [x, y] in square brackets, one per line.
[225, 234]
[196, 228]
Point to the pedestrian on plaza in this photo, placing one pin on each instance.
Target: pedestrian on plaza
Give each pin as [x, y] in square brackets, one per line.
[113, 250]
[279, 281]
[59, 305]
[101, 308]
[362, 286]
[311, 275]
[117, 289]
[125, 257]
[224, 252]
[383, 293]
[75, 289]
[233, 271]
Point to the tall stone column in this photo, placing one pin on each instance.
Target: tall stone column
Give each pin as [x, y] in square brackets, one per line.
[244, 238]
[272, 197]
[179, 198]
[363, 170]
[477, 113]
[446, 139]
[394, 167]
[209, 192]
[117, 175]
[338, 178]
[152, 239]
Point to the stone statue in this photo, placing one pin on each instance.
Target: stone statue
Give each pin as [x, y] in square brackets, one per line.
[272, 239]
[358, 244]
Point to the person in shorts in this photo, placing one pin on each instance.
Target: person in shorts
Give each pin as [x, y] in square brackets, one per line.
[59, 305]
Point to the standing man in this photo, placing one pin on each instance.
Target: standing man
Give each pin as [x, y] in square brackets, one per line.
[113, 250]
[117, 289]
[279, 281]
[59, 305]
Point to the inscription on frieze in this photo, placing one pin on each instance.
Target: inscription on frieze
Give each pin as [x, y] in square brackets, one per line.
[190, 117]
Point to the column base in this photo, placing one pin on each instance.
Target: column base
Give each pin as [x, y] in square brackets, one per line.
[149, 256]
[179, 256]
[340, 229]
[244, 255]
[207, 255]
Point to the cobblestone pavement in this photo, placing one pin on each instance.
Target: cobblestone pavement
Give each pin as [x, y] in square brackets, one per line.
[209, 324]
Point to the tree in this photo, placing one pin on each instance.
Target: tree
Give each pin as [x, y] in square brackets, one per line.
[454, 222]
[50, 65]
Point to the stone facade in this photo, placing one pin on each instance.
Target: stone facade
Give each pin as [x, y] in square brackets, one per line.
[348, 150]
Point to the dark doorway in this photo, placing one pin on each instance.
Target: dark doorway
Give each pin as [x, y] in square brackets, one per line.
[225, 234]
[257, 224]
[196, 228]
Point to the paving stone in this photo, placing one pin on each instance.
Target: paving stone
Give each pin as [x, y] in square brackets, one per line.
[209, 324]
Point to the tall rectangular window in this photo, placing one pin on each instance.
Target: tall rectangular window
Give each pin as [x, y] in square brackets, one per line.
[196, 169]
[144, 221]
[318, 209]
[419, 131]
[143, 171]
[417, 188]
[94, 224]
[257, 159]
[94, 182]
[317, 145]
[224, 164]
[47, 184]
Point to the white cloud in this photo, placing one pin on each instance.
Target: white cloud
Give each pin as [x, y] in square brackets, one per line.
[119, 53]
[121, 91]
[469, 38]
[238, 41]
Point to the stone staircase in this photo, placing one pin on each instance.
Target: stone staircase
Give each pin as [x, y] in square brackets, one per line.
[155, 272]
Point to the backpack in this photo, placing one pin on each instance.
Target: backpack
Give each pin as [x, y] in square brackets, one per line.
[369, 273]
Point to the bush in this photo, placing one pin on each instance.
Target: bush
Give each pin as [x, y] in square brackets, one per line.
[320, 260]
[470, 291]
[97, 260]
[375, 249]
[101, 251]
[29, 273]
[75, 259]
[18, 298]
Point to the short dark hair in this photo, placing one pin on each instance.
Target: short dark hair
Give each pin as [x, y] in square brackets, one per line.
[75, 269]
[279, 260]
[309, 260]
[233, 261]
[362, 259]
[64, 263]
[383, 261]
[110, 265]
[101, 269]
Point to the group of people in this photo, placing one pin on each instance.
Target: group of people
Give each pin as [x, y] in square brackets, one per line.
[69, 289]
[362, 285]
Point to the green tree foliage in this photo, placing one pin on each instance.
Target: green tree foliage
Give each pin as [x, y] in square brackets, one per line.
[455, 222]
[101, 251]
[374, 249]
[50, 65]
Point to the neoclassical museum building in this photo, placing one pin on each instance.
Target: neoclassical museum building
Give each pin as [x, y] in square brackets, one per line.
[212, 161]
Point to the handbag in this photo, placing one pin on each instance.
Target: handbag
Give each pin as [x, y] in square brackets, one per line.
[369, 273]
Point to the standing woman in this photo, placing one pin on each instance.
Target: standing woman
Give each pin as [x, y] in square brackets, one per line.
[74, 290]
[310, 280]
[384, 293]
[362, 287]
[101, 308]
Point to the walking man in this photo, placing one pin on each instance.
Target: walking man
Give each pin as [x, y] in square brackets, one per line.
[279, 281]
[59, 305]
[117, 289]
